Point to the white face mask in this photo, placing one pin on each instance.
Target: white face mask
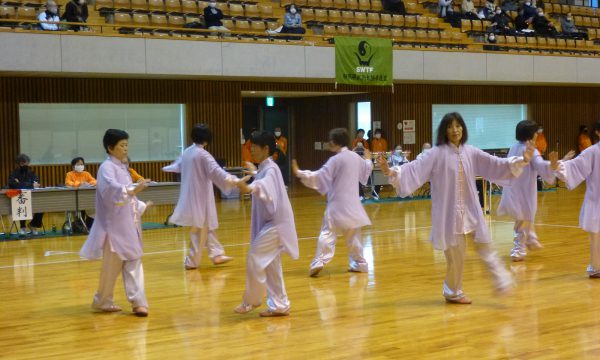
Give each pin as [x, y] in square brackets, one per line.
[292, 10]
[540, 14]
[568, 19]
[359, 145]
[79, 168]
[212, 5]
[498, 11]
[398, 152]
[377, 136]
[528, 3]
[278, 133]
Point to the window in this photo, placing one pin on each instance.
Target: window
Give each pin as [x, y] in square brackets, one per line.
[489, 126]
[56, 133]
[363, 116]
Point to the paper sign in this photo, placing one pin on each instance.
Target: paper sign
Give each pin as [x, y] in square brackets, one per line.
[21, 206]
[409, 125]
[408, 138]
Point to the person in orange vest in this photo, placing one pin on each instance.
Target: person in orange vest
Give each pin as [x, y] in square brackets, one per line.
[360, 138]
[583, 140]
[379, 144]
[281, 143]
[540, 143]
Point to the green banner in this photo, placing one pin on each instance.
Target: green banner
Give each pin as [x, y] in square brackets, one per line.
[363, 61]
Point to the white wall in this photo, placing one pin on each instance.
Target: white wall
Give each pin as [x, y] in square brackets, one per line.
[85, 54]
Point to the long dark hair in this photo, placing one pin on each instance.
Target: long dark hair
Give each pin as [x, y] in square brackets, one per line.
[442, 135]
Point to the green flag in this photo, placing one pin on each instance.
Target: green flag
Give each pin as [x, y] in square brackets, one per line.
[363, 61]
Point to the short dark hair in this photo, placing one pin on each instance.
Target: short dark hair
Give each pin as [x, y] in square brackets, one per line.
[201, 134]
[263, 139]
[112, 138]
[525, 130]
[442, 135]
[378, 131]
[76, 160]
[582, 128]
[22, 158]
[359, 130]
[340, 137]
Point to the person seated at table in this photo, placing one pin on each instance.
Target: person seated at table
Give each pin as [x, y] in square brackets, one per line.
[76, 178]
[134, 174]
[79, 177]
[24, 178]
[398, 158]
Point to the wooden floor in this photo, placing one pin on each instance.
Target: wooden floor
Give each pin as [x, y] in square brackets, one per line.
[395, 311]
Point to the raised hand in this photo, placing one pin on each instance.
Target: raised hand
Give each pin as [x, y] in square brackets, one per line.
[553, 156]
[367, 154]
[295, 167]
[383, 165]
[528, 153]
[571, 154]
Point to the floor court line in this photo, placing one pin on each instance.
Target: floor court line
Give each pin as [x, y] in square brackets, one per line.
[58, 252]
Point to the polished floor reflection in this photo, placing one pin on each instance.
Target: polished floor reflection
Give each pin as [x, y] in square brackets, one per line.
[394, 311]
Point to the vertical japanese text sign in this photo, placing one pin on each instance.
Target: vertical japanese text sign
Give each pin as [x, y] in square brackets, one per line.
[21, 206]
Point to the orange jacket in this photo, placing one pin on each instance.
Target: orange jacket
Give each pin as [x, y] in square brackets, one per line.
[584, 142]
[135, 176]
[282, 145]
[74, 178]
[357, 140]
[541, 144]
[379, 145]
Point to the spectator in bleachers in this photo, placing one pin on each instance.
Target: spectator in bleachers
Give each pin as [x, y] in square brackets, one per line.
[50, 14]
[213, 17]
[445, 8]
[292, 22]
[468, 10]
[394, 6]
[509, 5]
[487, 12]
[500, 22]
[76, 11]
[529, 12]
[24, 178]
[542, 25]
[569, 28]
[521, 21]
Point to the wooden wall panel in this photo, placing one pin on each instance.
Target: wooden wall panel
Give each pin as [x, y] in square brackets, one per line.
[559, 109]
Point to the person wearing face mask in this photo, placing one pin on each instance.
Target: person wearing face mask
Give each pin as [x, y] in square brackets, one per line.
[292, 23]
[379, 144]
[51, 15]
[468, 10]
[583, 140]
[360, 139]
[569, 28]
[500, 22]
[23, 177]
[445, 8]
[542, 25]
[79, 177]
[426, 147]
[213, 17]
[398, 158]
[76, 11]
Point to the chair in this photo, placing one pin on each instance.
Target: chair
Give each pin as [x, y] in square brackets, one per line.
[398, 20]
[434, 23]
[570, 43]
[321, 15]
[176, 21]
[242, 25]
[422, 22]
[328, 4]
[348, 17]
[158, 20]
[476, 26]
[266, 10]
[7, 12]
[122, 4]
[396, 33]
[383, 32]
[189, 6]
[26, 13]
[257, 25]
[351, 4]
[445, 37]
[364, 5]
[141, 19]
[343, 30]
[225, 9]
[421, 35]
[376, 5]
[329, 30]
[236, 10]
[308, 14]
[580, 44]
[202, 5]
[122, 18]
[173, 6]
[335, 16]
[228, 23]
[433, 35]
[521, 40]
[360, 17]
[373, 18]
[386, 19]
[104, 4]
[410, 21]
[542, 42]
[465, 25]
[313, 3]
[409, 34]
[595, 22]
[139, 5]
[156, 5]
[251, 11]
[411, 8]
[370, 31]
[356, 30]
[340, 4]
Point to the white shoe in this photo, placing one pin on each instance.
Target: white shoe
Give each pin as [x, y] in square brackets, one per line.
[534, 245]
[22, 231]
[34, 231]
[314, 271]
